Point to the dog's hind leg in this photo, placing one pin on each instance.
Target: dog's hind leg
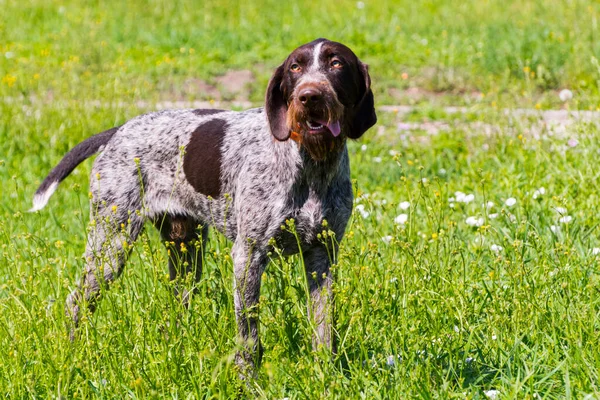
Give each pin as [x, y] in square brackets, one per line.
[111, 236]
[185, 239]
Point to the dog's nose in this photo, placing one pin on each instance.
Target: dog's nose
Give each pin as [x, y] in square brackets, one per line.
[309, 95]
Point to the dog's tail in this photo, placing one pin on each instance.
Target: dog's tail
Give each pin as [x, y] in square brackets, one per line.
[72, 159]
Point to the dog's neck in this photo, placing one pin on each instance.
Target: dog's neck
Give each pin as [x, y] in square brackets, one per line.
[320, 172]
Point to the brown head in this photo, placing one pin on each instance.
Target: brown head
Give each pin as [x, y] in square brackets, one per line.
[322, 94]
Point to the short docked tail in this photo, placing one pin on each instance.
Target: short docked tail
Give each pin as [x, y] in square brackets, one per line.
[71, 160]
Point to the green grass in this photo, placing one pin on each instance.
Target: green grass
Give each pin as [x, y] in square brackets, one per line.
[426, 309]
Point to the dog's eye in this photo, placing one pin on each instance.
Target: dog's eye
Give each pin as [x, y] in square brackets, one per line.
[295, 68]
[336, 64]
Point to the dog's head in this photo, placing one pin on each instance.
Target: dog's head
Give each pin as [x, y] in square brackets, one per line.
[322, 93]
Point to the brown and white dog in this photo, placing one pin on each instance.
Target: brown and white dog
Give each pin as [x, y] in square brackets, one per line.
[244, 173]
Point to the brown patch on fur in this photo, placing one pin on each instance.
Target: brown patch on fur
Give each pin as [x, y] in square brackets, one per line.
[178, 228]
[202, 159]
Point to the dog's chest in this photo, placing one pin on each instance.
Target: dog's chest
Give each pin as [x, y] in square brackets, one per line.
[308, 213]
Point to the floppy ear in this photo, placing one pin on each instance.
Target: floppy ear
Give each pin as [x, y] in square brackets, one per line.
[364, 111]
[276, 107]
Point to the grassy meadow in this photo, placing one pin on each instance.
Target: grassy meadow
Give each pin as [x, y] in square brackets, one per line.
[470, 266]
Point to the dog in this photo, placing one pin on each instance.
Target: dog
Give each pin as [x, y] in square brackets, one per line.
[245, 173]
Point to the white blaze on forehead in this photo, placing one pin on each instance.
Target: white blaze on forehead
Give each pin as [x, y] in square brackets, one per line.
[315, 61]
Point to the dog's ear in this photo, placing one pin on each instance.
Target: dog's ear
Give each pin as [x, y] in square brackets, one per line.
[364, 112]
[276, 107]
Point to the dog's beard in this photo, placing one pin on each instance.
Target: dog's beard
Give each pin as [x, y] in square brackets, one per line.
[318, 145]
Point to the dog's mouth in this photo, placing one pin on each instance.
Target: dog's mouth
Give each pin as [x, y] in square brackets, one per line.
[319, 126]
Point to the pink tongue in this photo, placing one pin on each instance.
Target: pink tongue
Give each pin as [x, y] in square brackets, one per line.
[334, 127]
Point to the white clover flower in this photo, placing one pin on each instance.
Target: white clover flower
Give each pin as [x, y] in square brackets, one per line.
[387, 239]
[377, 159]
[493, 216]
[566, 219]
[511, 201]
[555, 228]
[596, 251]
[401, 219]
[474, 221]
[565, 95]
[496, 248]
[539, 192]
[404, 205]
[363, 147]
[494, 337]
[463, 197]
[361, 209]
[489, 204]
[442, 171]
[9, 55]
[492, 394]
[560, 210]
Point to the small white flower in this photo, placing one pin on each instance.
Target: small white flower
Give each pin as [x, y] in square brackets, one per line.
[494, 337]
[565, 95]
[493, 216]
[596, 251]
[9, 55]
[566, 219]
[496, 248]
[555, 228]
[572, 142]
[560, 210]
[360, 5]
[401, 219]
[361, 209]
[469, 360]
[489, 204]
[442, 171]
[377, 159]
[474, 221]
[363, 147]
[404, 205]
[456, 329]
[539, 192]
[463, 197]
[492, 394]
[424, 180]
[392, 153]
[451, 205]
[511, 201]
[386, 239]
[394, 280]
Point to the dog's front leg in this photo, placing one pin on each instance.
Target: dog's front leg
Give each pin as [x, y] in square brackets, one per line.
[320, 309]
[249, 262]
